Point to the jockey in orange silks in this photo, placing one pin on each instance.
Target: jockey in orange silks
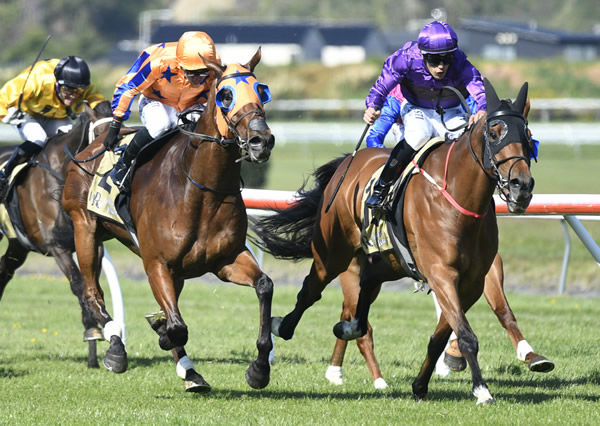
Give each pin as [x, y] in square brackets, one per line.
[170, 78]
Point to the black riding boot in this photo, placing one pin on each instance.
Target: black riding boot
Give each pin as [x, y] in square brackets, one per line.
[395, 164]
[21, 154]
[119, 171]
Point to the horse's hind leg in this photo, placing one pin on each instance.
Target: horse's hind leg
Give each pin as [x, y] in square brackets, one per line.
[350, 288]
[311, 290]
[13, 259]
[494, 294]
[92, 333]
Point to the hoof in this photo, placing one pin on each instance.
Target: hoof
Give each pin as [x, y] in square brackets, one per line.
[158, 322]
[455, 363]
[93, 333]
[257, 377]
[194, 382]
[484, 398]
[419, 392]
[115, 359]
[347, 330]
[486, 403]
[275, 324]
[539, 363]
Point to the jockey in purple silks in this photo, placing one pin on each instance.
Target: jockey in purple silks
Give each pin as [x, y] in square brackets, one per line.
[423, 68]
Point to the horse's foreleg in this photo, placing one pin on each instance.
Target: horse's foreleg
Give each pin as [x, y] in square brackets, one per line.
[436, 345]
[166, 291]
[245, 271]
[12, 260]
[64, 260]
[89, 255]
[453, 310]
[359, 325]
[494, 294]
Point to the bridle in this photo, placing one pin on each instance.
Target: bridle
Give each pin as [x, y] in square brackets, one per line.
[238, 140]
[509, 120]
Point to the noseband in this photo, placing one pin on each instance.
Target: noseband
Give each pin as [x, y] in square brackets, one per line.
[509, 121]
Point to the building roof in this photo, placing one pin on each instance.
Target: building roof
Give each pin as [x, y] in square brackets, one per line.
[238, 32]
[528, 31]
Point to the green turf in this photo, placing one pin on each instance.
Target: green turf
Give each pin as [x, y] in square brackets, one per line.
[43, 378]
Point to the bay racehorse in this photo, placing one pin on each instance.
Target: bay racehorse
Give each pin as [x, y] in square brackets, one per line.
[188, 213]
[450, 225]
[45, 228]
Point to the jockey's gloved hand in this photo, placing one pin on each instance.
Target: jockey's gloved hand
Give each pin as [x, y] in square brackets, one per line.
[112, 137]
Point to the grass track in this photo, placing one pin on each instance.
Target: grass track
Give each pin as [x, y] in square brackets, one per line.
[43, 378]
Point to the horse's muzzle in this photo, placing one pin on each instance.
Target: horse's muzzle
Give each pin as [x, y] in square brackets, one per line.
[261, 141]
[520, 193]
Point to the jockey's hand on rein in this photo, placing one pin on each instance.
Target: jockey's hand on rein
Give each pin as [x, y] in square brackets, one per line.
[112, 137]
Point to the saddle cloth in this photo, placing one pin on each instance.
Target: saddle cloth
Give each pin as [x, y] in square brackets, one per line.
[103, 191]
[6, 225]
[376, 236]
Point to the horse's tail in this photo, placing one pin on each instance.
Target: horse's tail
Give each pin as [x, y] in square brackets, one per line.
[288, 233]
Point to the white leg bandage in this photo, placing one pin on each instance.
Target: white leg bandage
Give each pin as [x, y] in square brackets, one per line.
[335, 375]
[112, 328]
[183, 365]
[523, 349]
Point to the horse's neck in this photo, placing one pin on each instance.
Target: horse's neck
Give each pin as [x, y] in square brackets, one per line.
[467, 182]
[211, 164]
[54, 149]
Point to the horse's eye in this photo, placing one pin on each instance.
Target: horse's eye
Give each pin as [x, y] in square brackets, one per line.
[226, 98]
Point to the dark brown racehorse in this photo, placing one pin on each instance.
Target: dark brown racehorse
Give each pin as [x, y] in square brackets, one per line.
[46, 227]
[188, 212]
[494, 294]
[453, 234]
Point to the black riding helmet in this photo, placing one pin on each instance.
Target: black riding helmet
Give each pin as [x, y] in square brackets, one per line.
[72, 71]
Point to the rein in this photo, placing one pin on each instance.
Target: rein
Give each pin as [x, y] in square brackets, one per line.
[463, 101]
[91, 137]
[443, 189]
[501, 182]
[224, 142]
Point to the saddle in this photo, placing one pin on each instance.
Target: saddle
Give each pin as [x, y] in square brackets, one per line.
[381, 236]
[11, 224]
[104, 198]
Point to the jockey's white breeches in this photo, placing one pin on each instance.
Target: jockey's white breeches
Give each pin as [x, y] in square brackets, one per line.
[158, 118]
[422, 124]
[39, 129]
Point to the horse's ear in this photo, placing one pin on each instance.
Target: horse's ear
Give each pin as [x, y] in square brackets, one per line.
[254, 61]
[522, 98]
[527, 108]
[89, 111]
[492, 100]
[215, 66]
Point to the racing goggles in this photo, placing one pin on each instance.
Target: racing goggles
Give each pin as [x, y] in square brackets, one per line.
[436, 60]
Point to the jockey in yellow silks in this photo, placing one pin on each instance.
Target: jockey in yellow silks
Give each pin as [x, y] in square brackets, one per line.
[41, 101]
[170, 78]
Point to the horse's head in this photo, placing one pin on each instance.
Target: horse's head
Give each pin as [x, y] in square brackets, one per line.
[508, 147]
[240, 115]
[100, 117]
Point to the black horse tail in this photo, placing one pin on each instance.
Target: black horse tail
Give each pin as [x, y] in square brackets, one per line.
[288, 233]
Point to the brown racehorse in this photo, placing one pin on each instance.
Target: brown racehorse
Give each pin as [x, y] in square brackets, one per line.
[452, 231]
[188, 212]
[494, 294]
[45, 226]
